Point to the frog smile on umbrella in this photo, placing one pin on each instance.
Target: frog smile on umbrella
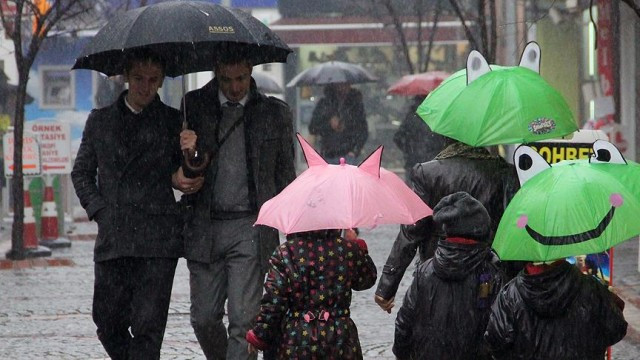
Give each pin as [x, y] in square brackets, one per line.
[574, 207]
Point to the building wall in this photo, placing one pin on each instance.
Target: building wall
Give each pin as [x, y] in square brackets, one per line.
[560, 60]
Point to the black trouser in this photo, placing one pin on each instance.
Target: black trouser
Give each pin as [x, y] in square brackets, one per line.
[130, 305]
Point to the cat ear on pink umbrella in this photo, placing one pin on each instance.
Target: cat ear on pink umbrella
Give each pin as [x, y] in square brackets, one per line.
[310, 154]
[371, 164]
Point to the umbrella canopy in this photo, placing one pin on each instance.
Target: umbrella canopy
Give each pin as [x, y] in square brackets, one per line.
[572, 208]
[418, 84]
[332, 72]
[342, 197]
[266, 84]
[188, 33]
[486, 105]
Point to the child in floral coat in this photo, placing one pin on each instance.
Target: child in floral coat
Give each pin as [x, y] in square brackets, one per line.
[305, 309]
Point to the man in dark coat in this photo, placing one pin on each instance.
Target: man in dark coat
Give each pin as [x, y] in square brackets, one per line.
[416, 140]
[250, 139]
[447, 306]
[459, 167]
[133, 148]
[553, 311]
[339, 119]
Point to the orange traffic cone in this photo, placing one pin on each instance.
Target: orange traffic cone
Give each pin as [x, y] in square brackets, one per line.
[30, 237]
[49, 218]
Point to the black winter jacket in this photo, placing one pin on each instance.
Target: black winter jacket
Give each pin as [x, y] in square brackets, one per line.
[492, 181]
[558, 314]
[131, 199]
[268, 130]
[351, 113]
[446, 309]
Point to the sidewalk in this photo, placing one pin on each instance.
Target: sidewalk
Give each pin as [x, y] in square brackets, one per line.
[45, 309]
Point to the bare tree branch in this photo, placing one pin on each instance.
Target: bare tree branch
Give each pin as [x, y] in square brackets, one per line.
[397, 24]
[467, 31]
[432, 35]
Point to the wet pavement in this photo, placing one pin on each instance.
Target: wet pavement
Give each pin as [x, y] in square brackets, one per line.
[45, 306]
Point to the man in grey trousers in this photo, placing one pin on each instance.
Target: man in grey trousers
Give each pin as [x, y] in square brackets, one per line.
[250, 139]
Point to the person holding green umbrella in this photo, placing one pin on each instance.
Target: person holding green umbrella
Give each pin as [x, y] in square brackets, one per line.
[461, 166]
[572, 208]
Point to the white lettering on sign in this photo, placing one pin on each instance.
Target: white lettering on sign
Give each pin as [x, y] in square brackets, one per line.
[55, 146]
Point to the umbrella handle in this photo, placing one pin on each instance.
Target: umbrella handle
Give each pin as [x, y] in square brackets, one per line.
[196, 165]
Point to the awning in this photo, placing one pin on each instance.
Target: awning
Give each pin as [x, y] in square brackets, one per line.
[355, 31]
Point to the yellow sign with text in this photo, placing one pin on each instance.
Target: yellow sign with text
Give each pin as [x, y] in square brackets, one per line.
[554, 152]
[579, 146]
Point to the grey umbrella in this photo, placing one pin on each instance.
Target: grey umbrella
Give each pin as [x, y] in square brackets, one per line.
[266, 84]
[332, 72]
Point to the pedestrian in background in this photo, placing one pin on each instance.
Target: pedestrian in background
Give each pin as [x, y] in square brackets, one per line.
[305, 311]
[416, 140]
[459, 167]
[553, 311]
[448, 303]
[340, 121]
[123, 178]
[250, 139]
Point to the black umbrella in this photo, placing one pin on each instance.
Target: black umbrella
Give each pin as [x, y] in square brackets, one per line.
[332, 72]
[266, 83]
[188, 34]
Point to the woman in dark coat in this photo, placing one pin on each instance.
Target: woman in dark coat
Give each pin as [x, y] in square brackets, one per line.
[340, 121]
[553, 311]
[446, 309]
[459, 167]
[305, 309]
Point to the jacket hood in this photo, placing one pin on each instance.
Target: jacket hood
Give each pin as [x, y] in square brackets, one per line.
[549, 293]
[454, 261]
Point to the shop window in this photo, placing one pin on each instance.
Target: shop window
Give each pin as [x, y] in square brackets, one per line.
[57, 84]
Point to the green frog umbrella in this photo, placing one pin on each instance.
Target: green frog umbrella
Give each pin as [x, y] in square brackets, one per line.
[486, 105]
[571, 208]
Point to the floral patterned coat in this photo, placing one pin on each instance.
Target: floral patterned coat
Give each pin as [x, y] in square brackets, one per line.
[305, 309]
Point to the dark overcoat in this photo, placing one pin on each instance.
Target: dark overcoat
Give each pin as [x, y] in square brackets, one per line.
[351, 112]
[268, 132]
[122, 176]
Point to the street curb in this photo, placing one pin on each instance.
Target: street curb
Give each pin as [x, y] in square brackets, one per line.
[36, 262]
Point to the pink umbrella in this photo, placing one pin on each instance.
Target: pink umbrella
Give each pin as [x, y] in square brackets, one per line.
[418, 84]
[342, 197]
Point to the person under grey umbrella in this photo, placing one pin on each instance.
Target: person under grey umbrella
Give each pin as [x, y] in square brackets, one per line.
[339, 119]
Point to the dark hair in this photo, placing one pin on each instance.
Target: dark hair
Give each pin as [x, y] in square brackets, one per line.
[231, 54]
[142, 55]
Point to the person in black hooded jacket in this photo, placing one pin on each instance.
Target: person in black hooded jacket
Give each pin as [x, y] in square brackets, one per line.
[446, 309]
[536, 315]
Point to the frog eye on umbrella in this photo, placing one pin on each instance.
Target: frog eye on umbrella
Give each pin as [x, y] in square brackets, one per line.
[531, 57]
[528, 163]
[477, 66]
[606, 152]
